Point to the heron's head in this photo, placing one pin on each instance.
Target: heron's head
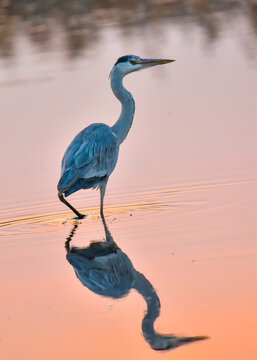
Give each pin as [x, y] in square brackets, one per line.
[130, 63]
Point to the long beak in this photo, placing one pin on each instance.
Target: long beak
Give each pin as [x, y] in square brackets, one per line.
[152, 62]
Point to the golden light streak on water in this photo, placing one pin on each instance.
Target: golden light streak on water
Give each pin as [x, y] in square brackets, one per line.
[161, 197]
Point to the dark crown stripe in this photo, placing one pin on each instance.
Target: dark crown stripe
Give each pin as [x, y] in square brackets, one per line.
[123, 59]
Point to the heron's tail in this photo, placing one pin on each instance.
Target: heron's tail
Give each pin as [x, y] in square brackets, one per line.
[93, 182]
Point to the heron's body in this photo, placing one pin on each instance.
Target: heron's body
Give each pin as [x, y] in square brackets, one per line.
[92, 155]
[89, 160]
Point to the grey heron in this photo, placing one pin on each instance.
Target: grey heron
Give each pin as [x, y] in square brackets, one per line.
[106, 270]
[92, 155]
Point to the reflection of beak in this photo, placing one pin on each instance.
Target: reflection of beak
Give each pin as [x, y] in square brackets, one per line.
[152, 62]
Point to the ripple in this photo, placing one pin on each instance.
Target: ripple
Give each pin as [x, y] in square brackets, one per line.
[143, 201]
[58, 218]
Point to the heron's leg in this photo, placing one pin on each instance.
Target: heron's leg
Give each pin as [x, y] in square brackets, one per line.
[61, 197]
[102, 192]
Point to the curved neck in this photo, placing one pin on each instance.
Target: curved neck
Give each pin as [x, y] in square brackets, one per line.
[123, 125]
[145, 288]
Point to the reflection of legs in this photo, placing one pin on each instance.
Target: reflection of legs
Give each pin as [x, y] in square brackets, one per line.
[108, 235]
[61, 197]
[69, 238]
[102, 192]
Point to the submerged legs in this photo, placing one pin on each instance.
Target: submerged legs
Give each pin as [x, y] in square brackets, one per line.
[61, 197]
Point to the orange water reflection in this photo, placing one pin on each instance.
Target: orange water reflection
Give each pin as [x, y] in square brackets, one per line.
[201, 256]
[104, 269]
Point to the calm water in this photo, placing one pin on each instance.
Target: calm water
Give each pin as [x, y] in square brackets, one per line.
[180, 207]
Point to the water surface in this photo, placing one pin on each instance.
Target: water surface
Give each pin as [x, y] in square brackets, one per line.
[181, 202]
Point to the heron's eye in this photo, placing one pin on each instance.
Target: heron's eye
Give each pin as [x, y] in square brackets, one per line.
[132, 62]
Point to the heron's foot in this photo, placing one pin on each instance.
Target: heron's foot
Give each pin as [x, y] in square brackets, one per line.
[80, 217]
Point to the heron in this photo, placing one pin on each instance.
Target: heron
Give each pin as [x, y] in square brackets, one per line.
[106, 270]
[92, 155]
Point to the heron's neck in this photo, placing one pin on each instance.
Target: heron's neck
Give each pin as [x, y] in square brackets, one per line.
[145, 288]
[123, 125]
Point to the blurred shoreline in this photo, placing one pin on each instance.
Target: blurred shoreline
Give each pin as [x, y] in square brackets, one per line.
[80, 22]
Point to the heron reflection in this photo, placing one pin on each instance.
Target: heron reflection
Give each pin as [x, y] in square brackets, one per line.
[106, 270]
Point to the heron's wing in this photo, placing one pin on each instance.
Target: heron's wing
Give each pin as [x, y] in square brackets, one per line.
[92, 154]
[110, 275]
[82, 263]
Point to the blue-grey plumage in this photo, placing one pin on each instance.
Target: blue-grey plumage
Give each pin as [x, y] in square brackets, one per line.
[106, 270]
[92, 155]
[102, 266]
[89, 160]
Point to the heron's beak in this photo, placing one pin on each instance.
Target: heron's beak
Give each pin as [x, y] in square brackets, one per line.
[152, 62]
